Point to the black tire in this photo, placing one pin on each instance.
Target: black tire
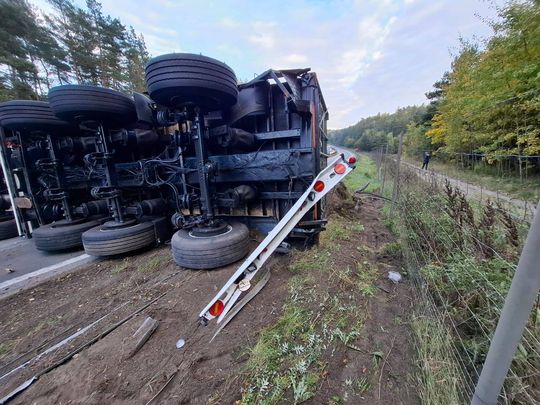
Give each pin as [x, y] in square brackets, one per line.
[8, 228]
[76, 103]
[61, 235]
[210, 252]
[30, 115]
[178, 78]
[102, 241]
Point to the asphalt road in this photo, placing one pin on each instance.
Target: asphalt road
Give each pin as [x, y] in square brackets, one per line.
[20, 261]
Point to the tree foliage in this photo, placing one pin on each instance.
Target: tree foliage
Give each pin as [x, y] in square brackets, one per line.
[382, 129]
[71, 45]
[491, 102]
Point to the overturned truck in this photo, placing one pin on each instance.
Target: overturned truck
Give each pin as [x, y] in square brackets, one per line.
[197, 154]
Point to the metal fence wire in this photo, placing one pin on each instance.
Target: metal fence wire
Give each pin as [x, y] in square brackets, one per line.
[461, 249]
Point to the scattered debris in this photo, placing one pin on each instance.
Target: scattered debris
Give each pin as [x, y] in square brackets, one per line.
[142, 334]
[162, 388]
[180, 343]
[284, 248]
[383, 288]
[394, 276]
[356, 348]
[68, 357]
[384, 363]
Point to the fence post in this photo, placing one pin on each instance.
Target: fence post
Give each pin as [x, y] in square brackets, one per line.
[396, 180]
[520, 169]
[514, 315]
[384, 169]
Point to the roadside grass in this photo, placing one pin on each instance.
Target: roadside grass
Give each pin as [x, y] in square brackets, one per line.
[5, 348]
[120, 267]
[462, 258]
[155, 262]
[528, 189]
[336, 230]
[439, 376]
[392, 249]
[319, 258]
[365, 172]
[320, 316]
[367, 275]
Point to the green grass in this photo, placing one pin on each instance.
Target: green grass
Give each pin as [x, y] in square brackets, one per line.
[440, 379]
[462, 258]
[4, 349]
[120, 267]
[365, 172]
[155, 262]
[357, 228]
[338, 229]
[286, 364]
[392, 249]
[367, 275]
[302, 262]
[336, 400]
[286, 356]
[528, 189]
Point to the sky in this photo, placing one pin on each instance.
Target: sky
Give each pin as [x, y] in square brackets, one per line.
[370, 56]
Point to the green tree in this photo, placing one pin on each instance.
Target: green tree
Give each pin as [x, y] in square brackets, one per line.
[109, 37]
[380, 124]
[491, 101]
[74, 44]
[136, 57]
[19, 74]
[416, 142]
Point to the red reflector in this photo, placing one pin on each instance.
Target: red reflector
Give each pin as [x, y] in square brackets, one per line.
[319, 186]
[217, 308]
[340, 168]
[352, 160]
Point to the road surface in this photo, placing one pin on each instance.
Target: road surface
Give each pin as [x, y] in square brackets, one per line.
[22, 264]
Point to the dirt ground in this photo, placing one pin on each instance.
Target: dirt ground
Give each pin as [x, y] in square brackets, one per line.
[200, 372]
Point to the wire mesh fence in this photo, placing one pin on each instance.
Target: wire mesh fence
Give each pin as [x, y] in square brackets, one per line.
[461, 249]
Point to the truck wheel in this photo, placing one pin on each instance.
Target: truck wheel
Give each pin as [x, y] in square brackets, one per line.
[196, 251]
[8, 228]
[178, 78]
[62, 235]
[28, 114]
[76, 103]
[110, 239]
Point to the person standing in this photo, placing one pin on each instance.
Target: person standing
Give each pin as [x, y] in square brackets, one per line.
[427, 158]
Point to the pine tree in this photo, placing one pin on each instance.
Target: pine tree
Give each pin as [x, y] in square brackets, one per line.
[75, 45]
[18, 71]
[136, 56]
[109, 37]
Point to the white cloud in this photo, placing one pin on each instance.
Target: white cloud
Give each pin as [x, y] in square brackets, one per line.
[264, 40]
[296, 58]
[229, 22]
